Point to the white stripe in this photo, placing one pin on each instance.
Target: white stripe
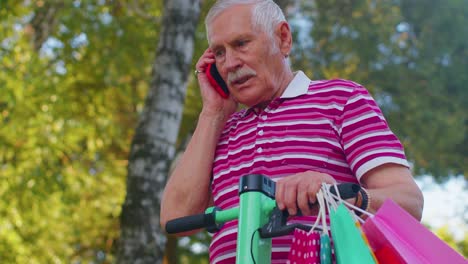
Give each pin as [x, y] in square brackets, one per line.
[285, 124]
[368, 153]
[238, 135]
[295, 122]
[233, 254]
[223, 257]
[359, 97]
[359, 118]
[327, 106]
[225, 232]
[247, 120]
[374, 163]
[276, 158]
[235, 151]
[223, 192]
[367, 135]
[235, 168]
[332, 88]
[302, 139]
[273, 140]
[280, 249]
[303, 156]
[230, 201]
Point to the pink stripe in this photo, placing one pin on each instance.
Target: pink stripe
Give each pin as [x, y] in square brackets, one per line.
[371, 157]
[324, 99]
[360, 123]
[364, 148]
[385, 139]
[334, 82]
[359, 130]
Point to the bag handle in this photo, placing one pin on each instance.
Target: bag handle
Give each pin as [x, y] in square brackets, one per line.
[321, 215]
[337, 199]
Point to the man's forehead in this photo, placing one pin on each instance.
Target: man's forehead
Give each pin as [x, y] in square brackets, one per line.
[234, 21]
[218, 40]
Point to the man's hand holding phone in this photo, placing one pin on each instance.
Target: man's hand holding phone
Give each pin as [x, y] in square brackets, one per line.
[216, 80]
[214, 91]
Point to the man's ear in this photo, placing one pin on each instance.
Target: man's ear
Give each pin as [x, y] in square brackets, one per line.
[284, 35]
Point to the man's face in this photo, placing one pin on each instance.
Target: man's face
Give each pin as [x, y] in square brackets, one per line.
[247, 59]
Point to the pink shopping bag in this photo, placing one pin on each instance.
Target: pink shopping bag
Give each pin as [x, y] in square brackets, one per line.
[305, 248]
[393, 232]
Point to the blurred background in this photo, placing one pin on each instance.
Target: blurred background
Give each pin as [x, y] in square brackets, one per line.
[97, 99]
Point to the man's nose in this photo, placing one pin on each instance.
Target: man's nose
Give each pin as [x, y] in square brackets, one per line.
[233, 61]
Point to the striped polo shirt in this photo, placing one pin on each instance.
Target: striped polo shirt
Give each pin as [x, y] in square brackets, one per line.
[330, 126]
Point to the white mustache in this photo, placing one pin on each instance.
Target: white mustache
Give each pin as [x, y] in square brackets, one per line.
[241, 73]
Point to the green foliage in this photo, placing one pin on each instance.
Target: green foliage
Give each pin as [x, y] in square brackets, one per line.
[344, 37]
[412, 56]
[427, 85]
[68, 112]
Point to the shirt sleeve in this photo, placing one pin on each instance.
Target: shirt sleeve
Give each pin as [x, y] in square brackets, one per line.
[366, 138]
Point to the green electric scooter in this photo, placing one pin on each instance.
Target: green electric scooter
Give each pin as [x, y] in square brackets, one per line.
[259, 218]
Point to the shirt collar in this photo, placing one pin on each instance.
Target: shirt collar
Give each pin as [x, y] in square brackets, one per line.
[298, 86]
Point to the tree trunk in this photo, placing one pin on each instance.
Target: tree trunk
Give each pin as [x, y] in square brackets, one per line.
[44, 21]
[153, 147]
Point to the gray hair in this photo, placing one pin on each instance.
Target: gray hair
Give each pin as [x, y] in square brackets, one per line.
[266, 14]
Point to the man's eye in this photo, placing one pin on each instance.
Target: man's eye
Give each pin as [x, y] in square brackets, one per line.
[242, 43]
[219, 53]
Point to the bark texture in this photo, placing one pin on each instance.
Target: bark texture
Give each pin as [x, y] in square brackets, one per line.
[44, 22]
[153, 146]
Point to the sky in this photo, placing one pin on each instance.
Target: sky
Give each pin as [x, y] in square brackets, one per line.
[446, 204]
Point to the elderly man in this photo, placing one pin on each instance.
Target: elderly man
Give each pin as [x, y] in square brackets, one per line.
[296, 131]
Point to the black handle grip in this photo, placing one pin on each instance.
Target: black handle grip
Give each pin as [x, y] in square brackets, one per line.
[347, 190]
[189, 223]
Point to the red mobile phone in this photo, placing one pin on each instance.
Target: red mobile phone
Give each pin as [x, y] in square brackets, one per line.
[217, 81]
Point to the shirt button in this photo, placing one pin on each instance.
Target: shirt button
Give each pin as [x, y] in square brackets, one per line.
[260, 132]
[264, 117]
[260, 150]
